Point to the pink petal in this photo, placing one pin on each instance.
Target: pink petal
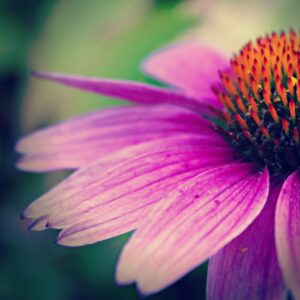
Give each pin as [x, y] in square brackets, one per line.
[55, 161]
[90, 197]
[198, 219]
[119, 215]
[83, 139]
[128, 90]
[247, 268]
[287, 230]
[156, 163]
[191, 67]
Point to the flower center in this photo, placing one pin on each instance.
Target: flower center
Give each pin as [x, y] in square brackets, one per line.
[260, 94]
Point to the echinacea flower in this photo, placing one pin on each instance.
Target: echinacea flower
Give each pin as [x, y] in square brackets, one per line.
[207, 168]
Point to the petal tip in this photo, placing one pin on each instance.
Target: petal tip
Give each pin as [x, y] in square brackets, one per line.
[41, 74]
[21, 165]
[123, 276]
[148, 288]
[65, 239]
[38, 224]
[21, 145]
[29, 164]
[26, 213]
[121, 279]
[26, 144]
[34, 73]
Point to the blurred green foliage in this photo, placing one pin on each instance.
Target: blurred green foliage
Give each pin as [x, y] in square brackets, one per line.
[107, 38]
[97, 38]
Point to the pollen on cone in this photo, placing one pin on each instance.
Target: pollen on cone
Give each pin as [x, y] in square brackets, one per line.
[241, 121]
[242, 86]
[253, 104]
[290, 85]
[247, 134]
[254, 87]
[265, 132]
[240, 104]
[273, 113]
[283, 94]
[267, 97]
[255, 117]
[229, 102]
[261, 93]
[285, 126]
[292, 108]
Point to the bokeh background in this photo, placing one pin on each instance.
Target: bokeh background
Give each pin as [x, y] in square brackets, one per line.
[97, 38]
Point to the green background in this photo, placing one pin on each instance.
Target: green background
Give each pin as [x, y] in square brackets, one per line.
[97, 38]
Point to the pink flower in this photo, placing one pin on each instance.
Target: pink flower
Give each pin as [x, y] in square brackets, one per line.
[204, 169]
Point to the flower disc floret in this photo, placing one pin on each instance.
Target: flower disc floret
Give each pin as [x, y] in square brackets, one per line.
[260, 94]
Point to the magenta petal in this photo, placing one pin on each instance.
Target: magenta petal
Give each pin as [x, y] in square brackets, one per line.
[128, 90]
[287, 229]
[90, 201]
[191, 67]
[117, 215]
[247, 268]
[71, 192]
[54, 161]
[86, 138]
[196, 221]
[39, 224]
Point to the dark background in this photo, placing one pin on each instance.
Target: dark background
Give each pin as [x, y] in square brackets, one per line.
[104, 38]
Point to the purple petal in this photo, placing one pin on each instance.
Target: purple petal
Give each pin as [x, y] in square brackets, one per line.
[89, 197]
[128, 90]
[83, 139]
[191, 67]
[38, 224]
[54, 161]
[117, 215]
[155, 165]
[287, 232]
[247, 268]
[198, 219]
